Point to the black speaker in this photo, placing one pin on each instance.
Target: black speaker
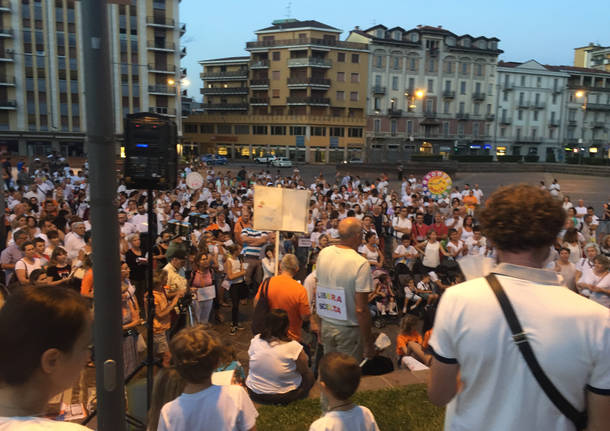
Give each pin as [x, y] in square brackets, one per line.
[151, 161]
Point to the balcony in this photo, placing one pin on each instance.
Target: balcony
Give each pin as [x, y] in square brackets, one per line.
[7, 82]
[161, 46]
[598, 124]
[224, 91]
[462, 116]
[508, 86]
[571, 141]
[490, 117]
[572, 122]
[162, 110]
[308, 82]
[554, 123]
[259, 83]
[162, 89]
[558, 90]
[523, 104]
[160, 21]
[448, 94]
[259, 64]
[538, 105]
[529, 139]
[7, 55]
[266, 44]
[183, 52]
[182, 28]
[162, 68]
[5, 32]
[378, 89]
[506, 120]
[309, 62]
[598, 107]
[598, 142]
[225, 76]
[478, 96]
[259, 101]
[430, 114]
[305, 100]
[8, 104]
[394, 112]
[225, 106]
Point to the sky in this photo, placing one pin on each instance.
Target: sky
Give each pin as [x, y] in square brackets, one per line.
[544, 30]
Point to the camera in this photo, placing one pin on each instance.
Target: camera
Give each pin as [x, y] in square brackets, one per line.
[199, 220]
[179, 228]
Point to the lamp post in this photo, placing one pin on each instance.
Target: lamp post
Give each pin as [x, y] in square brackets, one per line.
[585, 96]
[411, 98]
[178, 84]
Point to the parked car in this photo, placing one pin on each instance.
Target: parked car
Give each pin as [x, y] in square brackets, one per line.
[282, 162]
[212, 159]
[265, 159]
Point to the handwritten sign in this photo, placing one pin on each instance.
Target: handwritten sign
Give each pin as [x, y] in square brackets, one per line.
[304, 242]
[331, 303]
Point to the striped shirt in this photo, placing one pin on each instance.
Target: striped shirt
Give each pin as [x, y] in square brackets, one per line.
[252, 250]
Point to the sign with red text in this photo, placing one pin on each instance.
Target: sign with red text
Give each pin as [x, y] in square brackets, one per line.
[331, 303]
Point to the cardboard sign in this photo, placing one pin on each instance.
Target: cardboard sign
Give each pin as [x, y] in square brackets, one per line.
[331, 303]
[280, 209]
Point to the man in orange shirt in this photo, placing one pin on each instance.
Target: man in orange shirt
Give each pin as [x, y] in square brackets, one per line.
[288, 294]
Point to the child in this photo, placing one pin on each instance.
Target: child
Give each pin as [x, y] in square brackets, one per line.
[339, 379]
[228, 362]
[162, 318]
[384, 299]
[408, 333]
[411, 296]
[424, 289]
[196, 353]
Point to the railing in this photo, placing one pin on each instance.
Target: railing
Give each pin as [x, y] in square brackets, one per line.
[462, 116]
[308, 81]
[309, 62]
[160, 20]
[394, 112]
[6, 54]
[183, 51]
[378, 89]
[490, 117]
[448, 94]
[233, 74]
[259, 100]
[7, 81]
[306, 41]
[6, 32]
[259, 82]
[297, 119]
[5, 4]
[558, 90]
[225, 90]
[158, 45]
[554, 123]
[8, 103]
[161, 89]
[508, 86]
[506, 120]
[572, 122]
[307, 100]
[164, 68]
[538, 105]
[524, 104]
[598, 124]
[478, 96]
[429, 114]
[259, 64]
[225, 106]
[534, 139]
[598, 107]
[162, 110]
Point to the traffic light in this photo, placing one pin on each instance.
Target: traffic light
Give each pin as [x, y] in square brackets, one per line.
[150, 152]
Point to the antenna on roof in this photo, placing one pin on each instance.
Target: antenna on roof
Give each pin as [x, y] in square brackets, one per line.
[289, 10]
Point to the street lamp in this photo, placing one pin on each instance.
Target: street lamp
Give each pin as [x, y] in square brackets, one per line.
[178, 83]
[582, 94]
[411, 97]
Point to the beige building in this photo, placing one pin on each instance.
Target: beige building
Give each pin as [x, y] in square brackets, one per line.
[593, 56]
[301, 93]
[429, 91]
[42, 77]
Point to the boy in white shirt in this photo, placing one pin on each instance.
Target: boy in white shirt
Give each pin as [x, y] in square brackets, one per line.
[339, 379]
[196, 354]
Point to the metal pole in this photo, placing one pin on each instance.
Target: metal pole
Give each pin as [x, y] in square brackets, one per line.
[151, 303]
[108, 334]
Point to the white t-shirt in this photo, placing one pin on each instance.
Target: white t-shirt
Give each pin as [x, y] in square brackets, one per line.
[273, 367]
[357, 419]
[218, 408]
[25, 423]
[580, 211]
[403, 223]
[470, 330]
[29, 268]
[401, 249]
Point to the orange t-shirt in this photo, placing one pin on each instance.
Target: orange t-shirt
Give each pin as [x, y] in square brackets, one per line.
[86, 286]
[403, 339]
[426, 338]
[290, 296]
[470, 201]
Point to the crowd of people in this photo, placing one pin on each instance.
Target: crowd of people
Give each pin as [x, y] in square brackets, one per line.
[378, 251]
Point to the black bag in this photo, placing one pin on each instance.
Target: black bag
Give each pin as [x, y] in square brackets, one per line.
[261, 309]
[377, 366]
[579, 419]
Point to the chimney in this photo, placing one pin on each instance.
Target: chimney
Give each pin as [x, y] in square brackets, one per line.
[419, 26]
[440, 26]
[357, 27]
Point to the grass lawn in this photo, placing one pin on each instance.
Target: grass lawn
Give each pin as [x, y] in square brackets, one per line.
[399, 409]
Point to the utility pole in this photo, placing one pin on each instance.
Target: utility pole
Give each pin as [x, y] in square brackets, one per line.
[108, 334]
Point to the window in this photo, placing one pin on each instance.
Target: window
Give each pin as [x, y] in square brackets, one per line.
[502, 132]
[190, 128]
[355, 58]
[488, 108]
[518, 132]
[409, 127]
[477, 108]
[318, 131]
[225, 129]
[353, 96]
[460, 130]
[412, 83]
[206, 128]
[463, 87]
[377, 125]
[505, 96]
[523, 81]
[337, 132]
[378, 61]
[477, 87]
[479, 69]
[552, 133]
[446, 129]
[396, 62]
[430, 85]
[276, 93]
[449, 67]
[520, 114]
[475, 130]
[534, 132]
[393, 127]
[377, 104]
[275, 55]
[537, 98]
[447, 85]
[242, 129]
[539, 82]
[535, 115]
[341, 57]
[572, 114]
[354, 132]
[377, 80]
[297, 130]
[278, 130]
[462, 105]
[413, 64]
[464, 69]
[554, 101]
[446, 107]
[395, 83]
[340, 76]
[355, 77]
[275, 75]
[340, 95]
[432, 65]
[259, 130]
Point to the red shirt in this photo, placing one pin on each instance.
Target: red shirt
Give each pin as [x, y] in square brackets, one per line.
[441, 229]
[419, 231]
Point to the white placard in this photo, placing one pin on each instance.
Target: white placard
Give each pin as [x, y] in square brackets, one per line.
[194, 180]
[304, 242]
[280, 209]
[331, 303]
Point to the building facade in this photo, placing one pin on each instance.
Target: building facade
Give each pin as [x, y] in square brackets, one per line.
[593, 56]
[301, 93]
[530, 111]
[42, 88]
[429, 91]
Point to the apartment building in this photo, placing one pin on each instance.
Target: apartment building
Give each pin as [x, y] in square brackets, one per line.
[531, 107]
[42, 76]
[429, 91]
[593, 56]
[300, 93]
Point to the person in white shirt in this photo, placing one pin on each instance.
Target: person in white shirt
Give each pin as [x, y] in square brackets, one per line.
[402, 225]
[125, 227]
[75, 241]
[581, 209]
[476, 244]
[202, 405]
[573, 356]
[339, 380]
[555, 188]
[140, 220]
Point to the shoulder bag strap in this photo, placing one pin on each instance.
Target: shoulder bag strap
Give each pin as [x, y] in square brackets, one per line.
[265, 288]
[520, 338]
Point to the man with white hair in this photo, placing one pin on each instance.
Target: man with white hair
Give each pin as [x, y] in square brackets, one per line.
[75, 241]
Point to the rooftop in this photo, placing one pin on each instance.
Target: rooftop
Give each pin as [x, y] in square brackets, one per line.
[292, 24]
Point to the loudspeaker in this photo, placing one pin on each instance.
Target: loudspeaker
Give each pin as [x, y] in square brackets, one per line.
[150, 152]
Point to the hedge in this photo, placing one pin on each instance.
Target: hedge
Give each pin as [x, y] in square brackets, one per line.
[471, 158]
[430, 158]
[512, 159]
